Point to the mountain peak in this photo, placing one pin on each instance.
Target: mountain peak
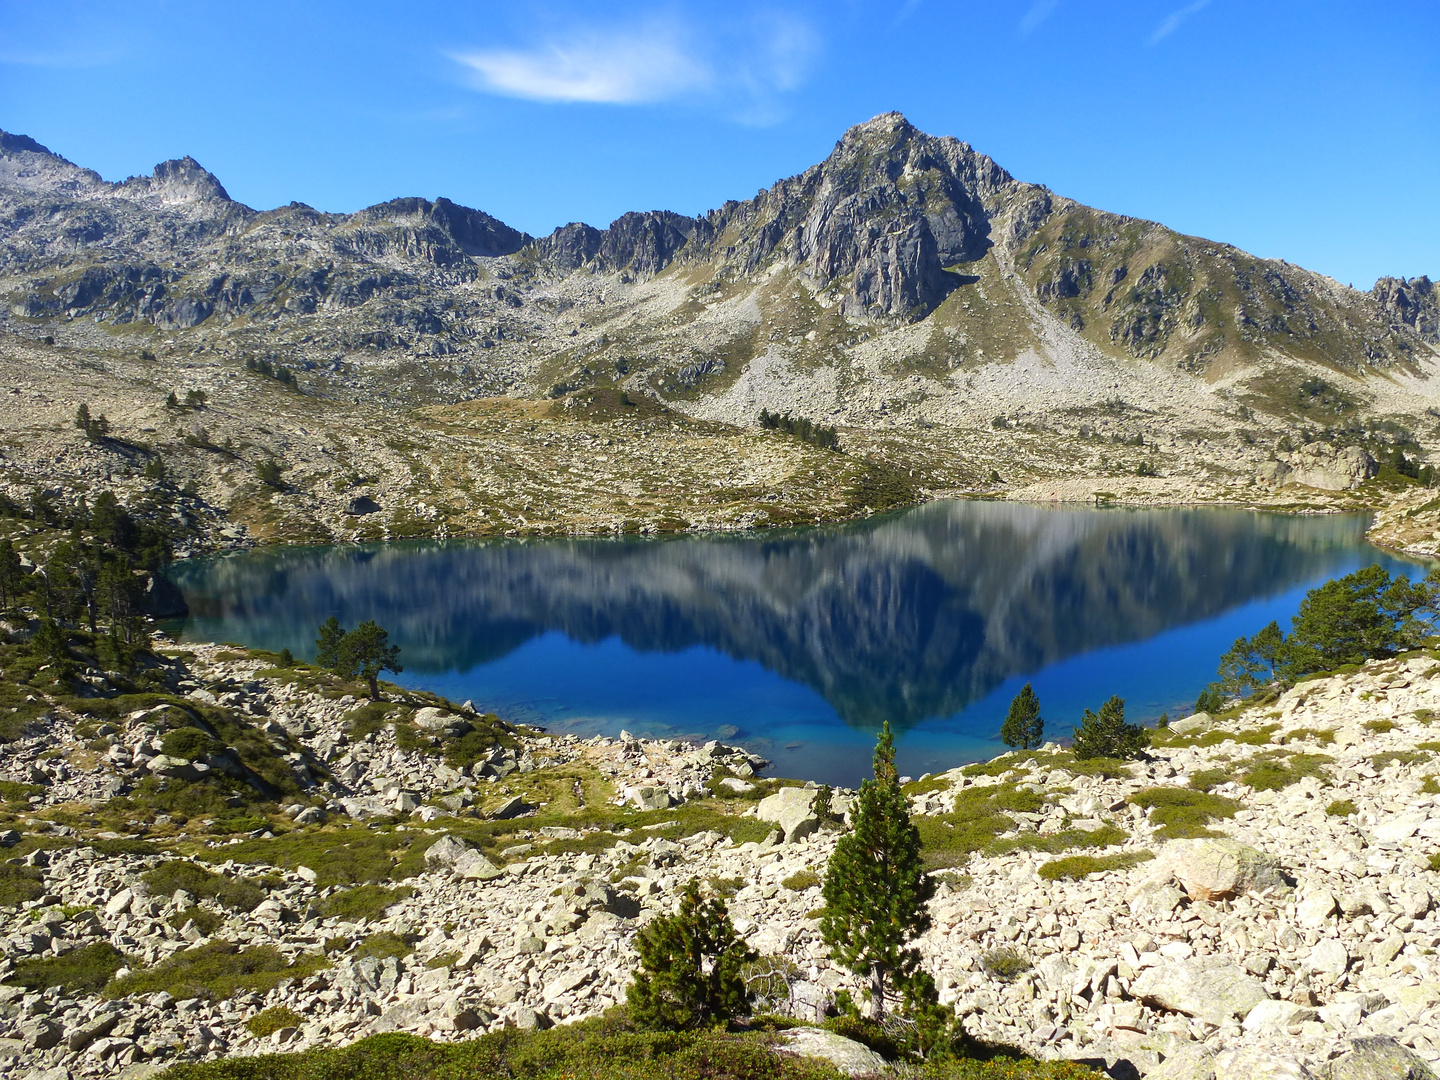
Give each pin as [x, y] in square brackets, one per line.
[177, 181]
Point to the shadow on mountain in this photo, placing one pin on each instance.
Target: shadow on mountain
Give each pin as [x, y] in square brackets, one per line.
[901, 618]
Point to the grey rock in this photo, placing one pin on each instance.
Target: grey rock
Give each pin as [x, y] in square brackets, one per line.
[1216, 993]
[1219, 868]
[846, 1055]
[1378, 1058]
[511, 808]
[792, 809]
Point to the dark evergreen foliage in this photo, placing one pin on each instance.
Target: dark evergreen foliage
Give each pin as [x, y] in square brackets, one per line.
[363, 652]
[827, 438]
[1024, 726]
[690, 967]
[876, 889]
[1106, 734]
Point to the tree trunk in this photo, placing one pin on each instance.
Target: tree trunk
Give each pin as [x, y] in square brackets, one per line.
[877, 992]
[374, 683]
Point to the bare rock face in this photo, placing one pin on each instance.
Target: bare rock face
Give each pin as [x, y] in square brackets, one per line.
[1415, 303]
[1218, 869]
[1379, 1059]
[1319, 465]
[847, 1055]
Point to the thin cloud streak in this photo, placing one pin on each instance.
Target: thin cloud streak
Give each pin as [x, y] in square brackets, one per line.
[639, 66]
[1174, 19]
[1038, 13]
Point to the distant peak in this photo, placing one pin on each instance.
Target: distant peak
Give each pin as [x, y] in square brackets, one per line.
[179, 180]
[17, 143]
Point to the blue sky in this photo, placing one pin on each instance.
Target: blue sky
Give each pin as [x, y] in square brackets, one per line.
[1308, 131]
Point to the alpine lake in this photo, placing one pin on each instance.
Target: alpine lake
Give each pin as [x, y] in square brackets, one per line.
[799, 644]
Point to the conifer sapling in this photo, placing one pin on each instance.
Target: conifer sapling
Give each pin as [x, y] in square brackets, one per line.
[1024, 726]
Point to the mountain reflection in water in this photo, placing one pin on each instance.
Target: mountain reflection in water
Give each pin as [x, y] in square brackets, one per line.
[902, 618]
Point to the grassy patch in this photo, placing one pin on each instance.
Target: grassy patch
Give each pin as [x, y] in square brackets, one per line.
[1380, 727]
[1341, 808]
[1273, 772]
[1398, 757]
[19, 884]
[344, 855]
[264, 1024]
[1180, 812]
[1064, 840]
[83, 970]
[216, 970]
[1431, 786]
[1324, 736]
[362, 902]
[802, 880]
[244, 894]
[1080, 866]
[1207, 779]
[13, 792]
[382, 945]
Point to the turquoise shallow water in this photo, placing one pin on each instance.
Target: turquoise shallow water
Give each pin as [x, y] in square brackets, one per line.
[800, 644]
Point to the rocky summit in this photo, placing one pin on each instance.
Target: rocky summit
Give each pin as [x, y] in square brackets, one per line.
[962, 331]
[1260, 892]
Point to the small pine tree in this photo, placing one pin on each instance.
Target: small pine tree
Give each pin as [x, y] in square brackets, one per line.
[1024, 726]
[172, 402]
[1106, 734]
[366, 651]
[327, 643]
[690, 967]
[1210, 700]
[48, 643]
[287, 659]
[12, 574]
[269, 471]
[876, 888]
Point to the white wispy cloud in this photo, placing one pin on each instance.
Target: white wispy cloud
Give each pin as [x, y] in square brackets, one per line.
[1038, 13]
[646, 63]
[1175, 18]
[745, 65]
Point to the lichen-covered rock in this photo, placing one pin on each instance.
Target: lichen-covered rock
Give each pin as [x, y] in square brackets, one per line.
[1219, 868]
[1215, 993]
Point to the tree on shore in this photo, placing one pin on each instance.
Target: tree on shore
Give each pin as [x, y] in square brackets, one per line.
[876, 890]
[364, 652]
[1106, 734]
[1024, 726]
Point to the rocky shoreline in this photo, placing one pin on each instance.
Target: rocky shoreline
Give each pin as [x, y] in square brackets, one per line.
[1308, 920]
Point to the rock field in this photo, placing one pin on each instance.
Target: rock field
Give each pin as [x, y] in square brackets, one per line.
[1304, 921]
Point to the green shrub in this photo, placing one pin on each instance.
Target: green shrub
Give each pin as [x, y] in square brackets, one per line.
[866, 1032]
[1398, 757]
[83, 970]
[19, 884]
[241, 893]
[1341, 808]
[1005, 964]
[264, 1024]
[1380, 727]
[1106, 734]
[1079, 866]
[801, 880]
[13, 792]
[216, 970]
[1180, 812]
[362, 902]
[1273, 772]
[383, 944]
[1206, 779]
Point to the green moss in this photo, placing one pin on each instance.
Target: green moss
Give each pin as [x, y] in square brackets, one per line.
[216, 970]
[1181, 812]
[83, 970]
[264, 1024]
[362, 902]
[1079, 866]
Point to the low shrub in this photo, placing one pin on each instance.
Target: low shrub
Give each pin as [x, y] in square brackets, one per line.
[216, 970]
[383, 944]
[802, 880]
[1341, 808]
[207, 922]
[1005, 964]
[1206, 779]
[1380, 727]
[19, 884]
[1180, 812]
[1398, 757]
[264, 1024]
[13, 792]
[244, 894]
[83, 970]
[1079, 866]
[1273, 772]
[362, 902]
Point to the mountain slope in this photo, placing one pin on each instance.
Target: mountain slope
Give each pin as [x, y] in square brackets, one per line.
[963, 328]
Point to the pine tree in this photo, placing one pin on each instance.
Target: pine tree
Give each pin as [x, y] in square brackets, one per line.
[12, 574]
[690, 965]
[876, 889]
[1024, 726]
[1106, 734]
[366, 651]
[328, 642]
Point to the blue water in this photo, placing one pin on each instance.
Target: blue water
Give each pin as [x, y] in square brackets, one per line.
[799, 644]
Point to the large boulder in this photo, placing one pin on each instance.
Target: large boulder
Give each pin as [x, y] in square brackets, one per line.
[847, 1055]
[1214, 993]
[1379, 1059]
[1219, 868]
[791, 808]
[1256, 1063]
[1320, 465]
